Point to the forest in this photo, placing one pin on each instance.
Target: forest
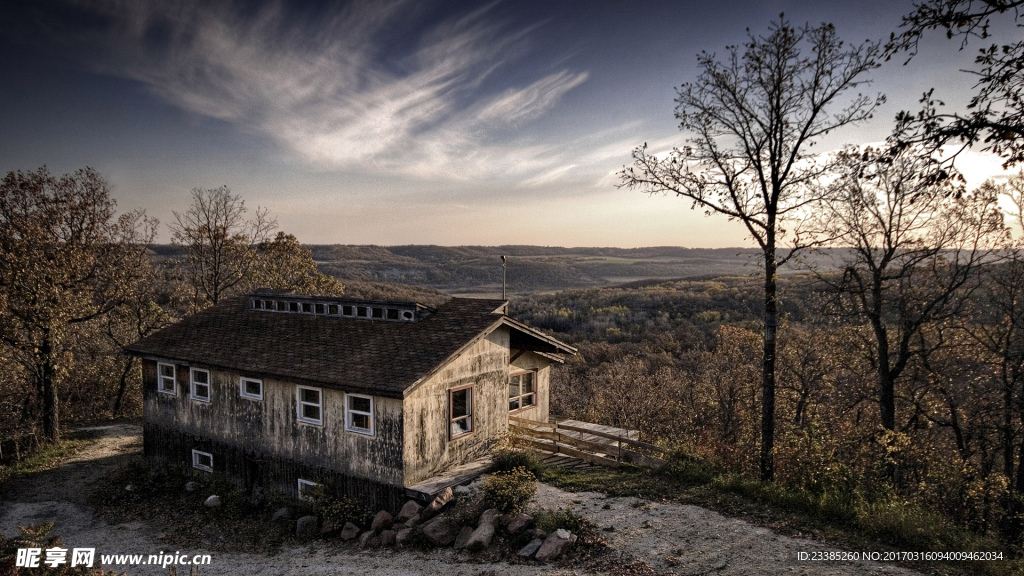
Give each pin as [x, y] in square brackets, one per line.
[872, 356]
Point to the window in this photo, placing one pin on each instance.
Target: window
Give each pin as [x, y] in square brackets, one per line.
[251, 388]
[362, 311]
[307, 307]
[200, 385]
[293, 306]
[202, 461]
[392, 314]
[165, 379]
[359, 413]
[522, 391]
[332, 309]
[282, 306]
[460, 403]
[319, 308]
[347, 310]
[306, 489]
[310, 405]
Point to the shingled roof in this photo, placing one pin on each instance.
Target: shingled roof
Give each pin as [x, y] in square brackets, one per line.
[358, 355]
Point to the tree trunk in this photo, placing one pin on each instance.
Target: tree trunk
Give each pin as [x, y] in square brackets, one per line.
[47, 374]
[123, 386]
[771, 322]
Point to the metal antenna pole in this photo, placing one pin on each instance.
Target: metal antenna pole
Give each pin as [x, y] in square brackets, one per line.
[503, 277]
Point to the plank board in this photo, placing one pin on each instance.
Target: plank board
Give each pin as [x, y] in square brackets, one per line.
[430, 487]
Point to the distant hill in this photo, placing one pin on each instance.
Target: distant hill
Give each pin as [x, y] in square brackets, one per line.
[476, 270]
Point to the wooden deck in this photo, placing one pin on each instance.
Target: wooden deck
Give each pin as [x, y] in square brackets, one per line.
[593, 443]
[427, 489]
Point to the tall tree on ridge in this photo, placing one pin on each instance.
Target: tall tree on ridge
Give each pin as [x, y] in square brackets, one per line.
[753, 115]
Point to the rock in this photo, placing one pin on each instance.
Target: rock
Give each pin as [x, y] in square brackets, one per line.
[519, 523]
[502, 520]
[463, 538]
[191, 486]
[305, 526]
[284, 513]
[481, 537]
[413, 522]
[369, 539]
[129, 488]
[437, 504]
[439, 531]
[349, 531]
[403, 536]
[488, 516]
[554, 545]
[382, 520]
[537, 533]
[388, 537]
[462, 492]
[212, 502]
[530, 549]
[410, 509]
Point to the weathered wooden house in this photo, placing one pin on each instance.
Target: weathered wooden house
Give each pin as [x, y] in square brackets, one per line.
[371, 398]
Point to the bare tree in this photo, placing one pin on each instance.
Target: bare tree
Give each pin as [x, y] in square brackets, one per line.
[65, 260]
[219, 242]
[998, 327]
[995, 114]
[753, 117]
[916, 244]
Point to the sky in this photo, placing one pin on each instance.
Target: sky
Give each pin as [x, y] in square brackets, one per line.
[408, 122]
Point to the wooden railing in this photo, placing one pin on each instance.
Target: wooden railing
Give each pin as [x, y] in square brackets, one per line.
[568, 439]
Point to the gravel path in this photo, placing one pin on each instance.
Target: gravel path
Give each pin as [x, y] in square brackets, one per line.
[670, 538]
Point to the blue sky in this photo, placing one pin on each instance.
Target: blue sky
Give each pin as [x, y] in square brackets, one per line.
[404, 122]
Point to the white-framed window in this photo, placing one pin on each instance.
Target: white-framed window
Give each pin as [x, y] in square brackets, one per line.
[199, 384]
[306, 488]
[460, 411]
[165, 379]
[251, 388]
[309, 404]
[522, 391]
[202, 460]
[359, 413]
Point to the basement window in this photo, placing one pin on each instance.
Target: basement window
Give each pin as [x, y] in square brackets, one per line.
[200, 385]
[392, 314]
[202, 461]
[319, 308]
[378, 312]
[307, 307]
[332, 309]
[282, 306]
[309, 403]
[361, 311]
[359, 413]
[307, 490]
[460, 411]
[522, 391]
[293, 306]
[165, 382]
[346, 310]
[251, 388]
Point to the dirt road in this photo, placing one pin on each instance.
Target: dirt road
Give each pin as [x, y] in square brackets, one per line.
[670, 538]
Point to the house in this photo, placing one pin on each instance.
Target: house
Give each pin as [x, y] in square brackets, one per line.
[369, 398]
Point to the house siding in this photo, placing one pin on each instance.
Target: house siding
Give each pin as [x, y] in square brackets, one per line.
[268, 430]
[428, 449]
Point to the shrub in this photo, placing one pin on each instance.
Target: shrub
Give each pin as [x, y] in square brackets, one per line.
[339, 510]
[565, 518]
[507, 459]
[510, 491]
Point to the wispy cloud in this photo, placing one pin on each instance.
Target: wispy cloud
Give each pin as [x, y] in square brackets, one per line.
[344, 90]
